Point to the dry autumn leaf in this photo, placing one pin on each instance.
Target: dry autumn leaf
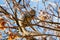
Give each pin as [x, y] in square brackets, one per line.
[2, 23]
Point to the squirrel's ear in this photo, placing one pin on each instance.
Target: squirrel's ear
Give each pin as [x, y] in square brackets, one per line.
[32, 12]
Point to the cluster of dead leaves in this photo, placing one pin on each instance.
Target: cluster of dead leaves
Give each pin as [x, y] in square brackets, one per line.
[2, 24]
[43, 16]
[2, 27]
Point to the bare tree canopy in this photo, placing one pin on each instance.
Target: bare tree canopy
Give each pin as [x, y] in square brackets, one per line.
[29, 20]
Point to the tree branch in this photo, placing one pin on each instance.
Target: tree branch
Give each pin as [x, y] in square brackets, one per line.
[15, 27]
[10, 6]
[45, 27]
[49, 22]
[43, 35]
[19, 1]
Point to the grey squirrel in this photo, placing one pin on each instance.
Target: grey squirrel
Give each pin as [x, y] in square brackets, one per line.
[28, 17]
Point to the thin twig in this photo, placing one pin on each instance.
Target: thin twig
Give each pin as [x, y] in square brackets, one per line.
[46, 27]
[10, 6]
